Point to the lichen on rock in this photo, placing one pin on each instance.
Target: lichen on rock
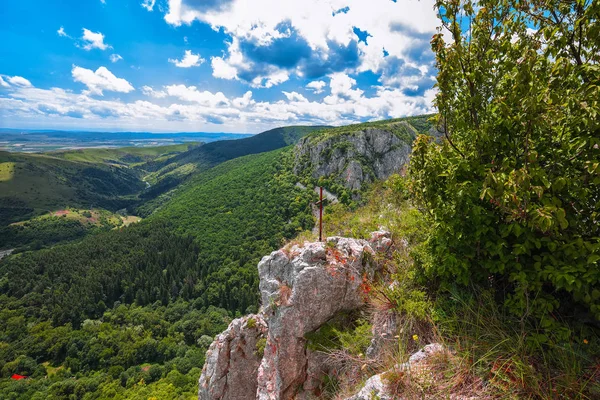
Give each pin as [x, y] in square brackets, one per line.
[232, 361]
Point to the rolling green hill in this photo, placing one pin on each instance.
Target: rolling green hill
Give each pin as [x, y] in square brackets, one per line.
[124, 155]
[32, 184]
[168, 173]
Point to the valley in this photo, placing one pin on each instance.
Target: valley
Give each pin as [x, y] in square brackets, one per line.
[190, 262]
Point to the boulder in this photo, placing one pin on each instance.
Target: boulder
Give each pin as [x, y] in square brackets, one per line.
[377, 387]
[301, 289]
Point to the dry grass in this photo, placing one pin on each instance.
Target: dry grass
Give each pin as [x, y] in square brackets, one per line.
[285, 292]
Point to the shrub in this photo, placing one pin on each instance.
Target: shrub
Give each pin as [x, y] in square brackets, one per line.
[512, 192]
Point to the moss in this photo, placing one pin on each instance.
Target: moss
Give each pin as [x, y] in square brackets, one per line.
[251, 323]
[346, 330]
[260, 347]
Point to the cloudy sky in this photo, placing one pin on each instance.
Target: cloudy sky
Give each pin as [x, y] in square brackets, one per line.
[213, 65]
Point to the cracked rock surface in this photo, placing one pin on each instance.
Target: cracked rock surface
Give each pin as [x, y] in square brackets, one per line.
[357, 158]
[232, 361]
[301, 289]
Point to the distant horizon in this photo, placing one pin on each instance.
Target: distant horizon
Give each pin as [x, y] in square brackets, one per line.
[234, 65]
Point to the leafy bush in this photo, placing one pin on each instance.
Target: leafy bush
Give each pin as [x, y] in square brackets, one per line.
[512, 195]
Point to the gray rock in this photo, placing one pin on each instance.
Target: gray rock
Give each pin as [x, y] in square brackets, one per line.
[301, 289]
[300, 292]
[232, 361]
[355, 158]
[385, 326]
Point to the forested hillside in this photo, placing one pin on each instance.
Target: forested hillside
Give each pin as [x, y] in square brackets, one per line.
[115, 179]
[177, 276]
[199, 251]
[166, 174]
[33, 184]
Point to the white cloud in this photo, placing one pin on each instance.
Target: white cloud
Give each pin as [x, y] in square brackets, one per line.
[61, 32]
[294, 96]
[321, 41]
[115, 57]
[192, 94]
[158, 94]
[148, 4]
[316, 86]
[3, 83]
[95, 40]
[103, 1]
[341, 89]
[19, 81]
[271, 79]
[189, 60]
[188, 108]
[100, 80]
[222, 69]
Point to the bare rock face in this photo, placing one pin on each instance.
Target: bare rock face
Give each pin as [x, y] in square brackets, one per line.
[232, 361]
[357, 157]
[301, 291]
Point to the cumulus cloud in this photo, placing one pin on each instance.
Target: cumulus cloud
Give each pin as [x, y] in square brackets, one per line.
[115, 57]
[189, 108]
[192, 94]
[19, 81]
[149, 91]
[100, 80]
[189, 60]
[94, 40]
[3, 83]
[222, 69]
[316, 86]
[148, 4]
[312, 38]
[294, 96]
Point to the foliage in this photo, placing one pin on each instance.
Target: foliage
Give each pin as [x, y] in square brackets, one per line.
[513, 193]
[41, 183]
[493, 346]
[166, 174]
[406, 128]
[129, 313]
[62, 226]
[130, 352]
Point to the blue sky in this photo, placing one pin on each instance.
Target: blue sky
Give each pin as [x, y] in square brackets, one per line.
[213, 66]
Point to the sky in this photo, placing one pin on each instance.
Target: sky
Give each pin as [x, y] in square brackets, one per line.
[240, 66]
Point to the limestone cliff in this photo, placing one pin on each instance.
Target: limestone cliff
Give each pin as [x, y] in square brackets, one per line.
[354, 157]
[301, 289]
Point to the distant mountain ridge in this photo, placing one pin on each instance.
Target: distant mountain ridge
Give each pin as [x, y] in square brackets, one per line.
[168, 173]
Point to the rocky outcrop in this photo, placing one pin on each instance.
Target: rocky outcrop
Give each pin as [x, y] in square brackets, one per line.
[301, 289]
[232, 360]
[357, 157]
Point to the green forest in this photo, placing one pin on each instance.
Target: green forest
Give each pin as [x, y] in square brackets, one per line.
[495, 221]
[181, 273]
